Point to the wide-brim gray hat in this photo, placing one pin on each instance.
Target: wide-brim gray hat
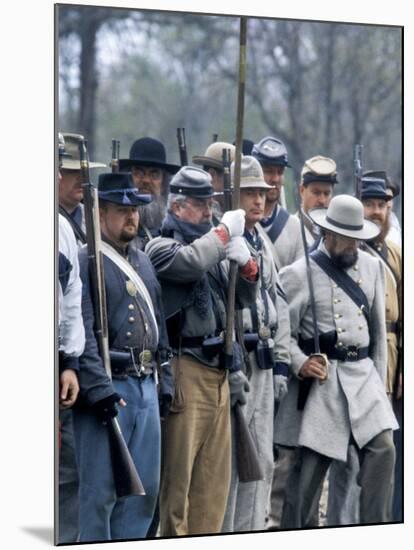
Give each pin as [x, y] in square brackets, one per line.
[251, 174]
[72, 162]
[213, 157]
[345, 216]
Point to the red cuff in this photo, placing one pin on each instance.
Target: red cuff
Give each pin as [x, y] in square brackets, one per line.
[222, 234]
[250, 270]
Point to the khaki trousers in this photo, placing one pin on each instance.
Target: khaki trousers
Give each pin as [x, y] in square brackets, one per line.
[196, 451]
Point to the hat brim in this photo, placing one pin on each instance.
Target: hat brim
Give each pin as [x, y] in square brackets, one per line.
[127, 163]
[207, 161]
[383, 197]
[369, 229]
[74, 164]
[129, 198]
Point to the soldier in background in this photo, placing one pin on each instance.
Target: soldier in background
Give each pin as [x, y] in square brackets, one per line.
[278, 226]
[151, 174]
[318, 178]
[212, 162]
[70, 188]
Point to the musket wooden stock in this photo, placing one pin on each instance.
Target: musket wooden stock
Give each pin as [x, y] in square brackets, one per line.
[126, 479]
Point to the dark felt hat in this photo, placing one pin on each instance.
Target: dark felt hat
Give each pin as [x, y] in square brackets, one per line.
[192, 182]
[247, 146]
[118, 187]
[382, 174]
[374, 188]
[270, 150]
[147, 152]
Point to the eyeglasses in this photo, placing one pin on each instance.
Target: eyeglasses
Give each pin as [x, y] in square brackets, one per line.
[153, 173]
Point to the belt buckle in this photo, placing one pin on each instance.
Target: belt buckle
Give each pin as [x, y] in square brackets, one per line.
[352, 353]
[145, 357]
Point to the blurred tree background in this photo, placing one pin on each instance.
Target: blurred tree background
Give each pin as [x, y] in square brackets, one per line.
[320, 87]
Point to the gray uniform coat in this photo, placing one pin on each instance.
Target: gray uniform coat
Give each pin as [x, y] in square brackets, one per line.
[288, 245]
[353, 399]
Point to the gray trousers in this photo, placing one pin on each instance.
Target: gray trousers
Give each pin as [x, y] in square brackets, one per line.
[377, 460]
[344, 491]
[283, 466]
[247, 502]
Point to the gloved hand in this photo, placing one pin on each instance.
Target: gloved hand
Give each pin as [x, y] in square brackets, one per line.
[280, 386]
[234, 221]
[107, 408]
[238, 251]
[239, 386]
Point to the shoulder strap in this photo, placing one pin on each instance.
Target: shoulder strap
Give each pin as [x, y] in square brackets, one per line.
[343, 280]
[278, 225]
[268, 243]
[79, 233]
[130, 272]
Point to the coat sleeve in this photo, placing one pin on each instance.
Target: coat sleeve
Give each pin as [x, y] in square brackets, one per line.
[378, 332]
[297, 296]
[94, 383]
[71, 329]
[181, 263]
[282, 340]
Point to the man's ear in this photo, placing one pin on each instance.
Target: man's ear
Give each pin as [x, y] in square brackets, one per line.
[175, 208]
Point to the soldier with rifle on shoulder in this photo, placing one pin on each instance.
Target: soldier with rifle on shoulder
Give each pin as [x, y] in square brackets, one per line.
[138, 346]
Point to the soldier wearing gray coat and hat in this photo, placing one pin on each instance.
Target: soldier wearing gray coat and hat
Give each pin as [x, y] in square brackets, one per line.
[265, 325]
[347, 403]
[318, 177]
[277, 225]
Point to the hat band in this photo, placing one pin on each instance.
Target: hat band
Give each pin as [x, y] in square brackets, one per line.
[281, 160]
[191, 192]
[344, 225]
[312, 177]
[104, 194]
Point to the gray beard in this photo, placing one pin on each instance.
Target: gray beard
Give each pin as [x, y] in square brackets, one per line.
[151, 215]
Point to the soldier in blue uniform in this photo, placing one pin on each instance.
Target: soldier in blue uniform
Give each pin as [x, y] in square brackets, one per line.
[138, 343]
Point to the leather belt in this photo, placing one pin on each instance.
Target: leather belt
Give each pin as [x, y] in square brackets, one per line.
[328, 345]
[348, 353]
[131, 363]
